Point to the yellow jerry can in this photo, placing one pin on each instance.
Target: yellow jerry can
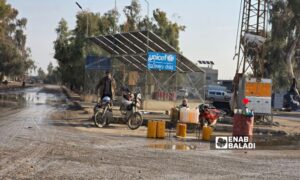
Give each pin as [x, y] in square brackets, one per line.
[181, 130]
[206, 133]
[160, 131]
[151, 130]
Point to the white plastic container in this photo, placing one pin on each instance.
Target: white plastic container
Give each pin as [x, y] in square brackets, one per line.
[184, 115]
[193, 116]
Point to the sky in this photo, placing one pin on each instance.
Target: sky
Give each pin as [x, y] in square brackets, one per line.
[210, 33]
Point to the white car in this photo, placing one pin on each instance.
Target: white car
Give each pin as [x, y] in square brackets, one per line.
[217, 95]
[182, 93]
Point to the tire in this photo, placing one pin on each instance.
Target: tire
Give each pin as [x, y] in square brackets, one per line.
[100, 119]
[135, 121]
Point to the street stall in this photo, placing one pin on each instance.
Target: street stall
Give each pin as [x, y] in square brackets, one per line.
[144, 62]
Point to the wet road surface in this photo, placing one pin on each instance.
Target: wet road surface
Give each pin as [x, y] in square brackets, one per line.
[37, 144]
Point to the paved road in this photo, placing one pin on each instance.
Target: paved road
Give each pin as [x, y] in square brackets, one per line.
[37, 144]
[288, 118]
[289, 115]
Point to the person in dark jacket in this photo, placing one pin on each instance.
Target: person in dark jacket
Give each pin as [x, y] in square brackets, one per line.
[184, 104]
[106, 86]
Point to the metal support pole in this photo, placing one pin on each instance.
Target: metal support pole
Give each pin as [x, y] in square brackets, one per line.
[86, 35]
[148, 21]
[114, 32]
[115, 17]
[147, 43]
[87, 24]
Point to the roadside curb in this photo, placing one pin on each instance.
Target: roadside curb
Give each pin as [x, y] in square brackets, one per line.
[287, 114]
[73, 97]
[256, 130]
[15, 87]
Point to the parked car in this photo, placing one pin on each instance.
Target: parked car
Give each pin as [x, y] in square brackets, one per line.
[218, 95]
[182, 93]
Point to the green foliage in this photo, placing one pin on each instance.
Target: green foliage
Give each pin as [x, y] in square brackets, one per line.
[166, 29]
[71, 46]
[132, 13]
[41, 74]
[14, 56]
[285, 21]
[160, 24]
[53, 76]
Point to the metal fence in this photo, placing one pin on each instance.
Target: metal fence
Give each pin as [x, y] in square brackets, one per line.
[154, 85]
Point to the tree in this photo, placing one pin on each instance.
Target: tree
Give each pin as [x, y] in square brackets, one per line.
[62, 47]
[72, 47]
[285, 37]
[132, 13]
[53, 76]
[160, 24]
[41, 74]
[166, 29]
[50, 68]
[14, 55]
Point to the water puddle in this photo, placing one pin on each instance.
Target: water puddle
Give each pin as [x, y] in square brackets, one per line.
[180, 147]
[29, 97]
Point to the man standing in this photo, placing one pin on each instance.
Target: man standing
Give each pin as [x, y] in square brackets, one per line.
[107, 86]
[184, 104]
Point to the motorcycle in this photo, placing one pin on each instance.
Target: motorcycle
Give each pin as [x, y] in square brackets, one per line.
[209, 115]
[130, 109]
[101, 111]
[130, 113]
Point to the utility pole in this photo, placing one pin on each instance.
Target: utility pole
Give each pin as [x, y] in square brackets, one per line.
[86, 35]
[148, 21]
[87, 18]
[147, 49]
[115, 17]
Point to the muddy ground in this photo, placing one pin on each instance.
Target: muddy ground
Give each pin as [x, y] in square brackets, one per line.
[43, 140]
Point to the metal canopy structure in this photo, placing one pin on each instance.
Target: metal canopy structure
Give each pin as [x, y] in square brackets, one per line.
[132, 47]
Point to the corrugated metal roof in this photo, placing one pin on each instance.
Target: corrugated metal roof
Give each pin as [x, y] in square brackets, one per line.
[132, 47]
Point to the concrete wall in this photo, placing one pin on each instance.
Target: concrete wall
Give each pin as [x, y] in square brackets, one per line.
[167, 105]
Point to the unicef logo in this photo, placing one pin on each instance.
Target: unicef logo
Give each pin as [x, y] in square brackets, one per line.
[170, 58]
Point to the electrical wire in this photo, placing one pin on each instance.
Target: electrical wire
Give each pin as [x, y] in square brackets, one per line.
[238, 30]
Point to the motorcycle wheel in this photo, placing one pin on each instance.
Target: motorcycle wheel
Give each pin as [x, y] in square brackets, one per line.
[135, 121]
[100, 119]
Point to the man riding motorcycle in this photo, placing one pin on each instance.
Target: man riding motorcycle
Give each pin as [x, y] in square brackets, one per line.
[127, 100]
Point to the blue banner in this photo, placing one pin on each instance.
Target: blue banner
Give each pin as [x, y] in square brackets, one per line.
[97, 63]
[161, 61]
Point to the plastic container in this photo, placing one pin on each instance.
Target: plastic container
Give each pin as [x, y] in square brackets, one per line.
[184, 115]
[193, 116]
[242, 125]
[160, 95]
[151, 130]
[206, 133]
[181, 130]
[160, 131]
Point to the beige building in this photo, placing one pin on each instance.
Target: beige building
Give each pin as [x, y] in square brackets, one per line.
[211, 75]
